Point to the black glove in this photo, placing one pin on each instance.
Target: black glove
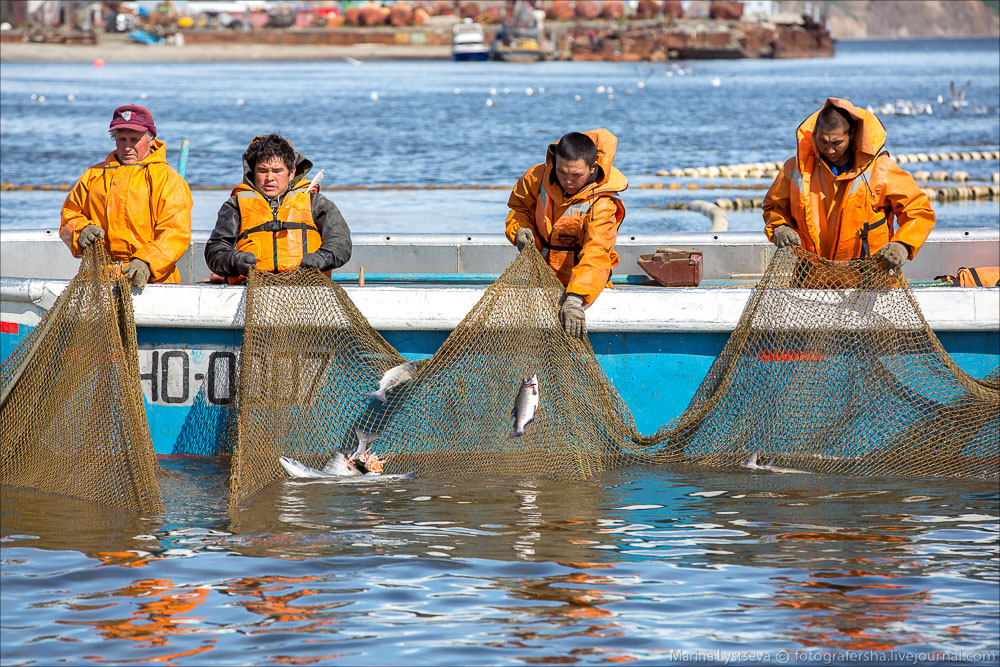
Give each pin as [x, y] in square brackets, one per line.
[571, 315]
[785, 235]
[89, 234]
[315, 260]
[138, 273]
[524, 238]
[243, 262]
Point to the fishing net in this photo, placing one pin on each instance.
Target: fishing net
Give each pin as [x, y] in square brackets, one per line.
[72, 420]
[832, 368]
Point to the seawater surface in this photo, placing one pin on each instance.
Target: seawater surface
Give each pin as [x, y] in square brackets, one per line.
[431, 126]
[642, 565]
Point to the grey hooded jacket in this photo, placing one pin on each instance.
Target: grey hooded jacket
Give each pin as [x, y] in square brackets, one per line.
[220, 252]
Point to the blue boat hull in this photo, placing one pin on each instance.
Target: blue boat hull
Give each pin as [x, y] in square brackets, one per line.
[187, 373]
[460, 57]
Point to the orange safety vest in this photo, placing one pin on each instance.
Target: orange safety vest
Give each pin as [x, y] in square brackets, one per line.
[277, 237]
[561, 247]
[980, 276]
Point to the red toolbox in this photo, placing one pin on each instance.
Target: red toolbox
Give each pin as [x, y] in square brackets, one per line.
[673, 267]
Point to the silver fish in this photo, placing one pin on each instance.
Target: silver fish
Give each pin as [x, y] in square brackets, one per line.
[751, 463]
[339, 465]
[336, 467]
[527, 403]
[393, 378]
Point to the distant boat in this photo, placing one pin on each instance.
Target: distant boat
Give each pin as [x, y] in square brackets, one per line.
[467, 42]
[522, 39]
[520, 50]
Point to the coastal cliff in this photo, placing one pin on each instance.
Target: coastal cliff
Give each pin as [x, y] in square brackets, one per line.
[902, 19]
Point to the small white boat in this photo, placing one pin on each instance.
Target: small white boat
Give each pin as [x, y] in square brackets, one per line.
[467, 42]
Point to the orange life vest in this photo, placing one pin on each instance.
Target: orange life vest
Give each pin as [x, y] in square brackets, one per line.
[980, 276]
[277, 237]
[562, 247]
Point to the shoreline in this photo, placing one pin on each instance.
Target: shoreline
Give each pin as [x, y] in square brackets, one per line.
[114, 51]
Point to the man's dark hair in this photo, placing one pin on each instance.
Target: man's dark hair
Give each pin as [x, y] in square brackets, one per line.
[834, 119]
[268, 146]
[577, 146]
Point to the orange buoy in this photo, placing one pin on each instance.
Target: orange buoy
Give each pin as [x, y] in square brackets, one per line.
[98, 62]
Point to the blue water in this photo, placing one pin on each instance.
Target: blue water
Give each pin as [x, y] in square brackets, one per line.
[643, 565]
[421, 132]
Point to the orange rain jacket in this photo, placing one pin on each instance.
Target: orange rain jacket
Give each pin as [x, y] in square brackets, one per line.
[144, 209]
[576, 234]
[851, 215]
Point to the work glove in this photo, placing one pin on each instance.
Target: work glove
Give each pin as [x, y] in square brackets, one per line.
[524, 238]
[571, 315]
[785, 236]
[893, 254]
[89, 234]
[138, 273]
[314, 260]
[243, 262]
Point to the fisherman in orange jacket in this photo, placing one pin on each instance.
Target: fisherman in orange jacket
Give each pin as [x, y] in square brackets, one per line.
[569, 207]
[842, 196]
[272, 222]
[134, 201]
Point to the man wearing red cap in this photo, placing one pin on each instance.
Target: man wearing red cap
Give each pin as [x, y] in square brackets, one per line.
[134, 202]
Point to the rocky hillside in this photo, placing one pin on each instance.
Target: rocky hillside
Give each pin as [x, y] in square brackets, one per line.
[860, 19]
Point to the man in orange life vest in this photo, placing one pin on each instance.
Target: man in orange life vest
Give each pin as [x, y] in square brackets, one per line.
[841, 193]
[133, 202]
[272, 222]
[569, 207]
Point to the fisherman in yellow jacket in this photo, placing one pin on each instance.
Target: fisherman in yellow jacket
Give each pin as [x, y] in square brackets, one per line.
[134, 201]
[842, 197]
[570, 208]
[272, 222]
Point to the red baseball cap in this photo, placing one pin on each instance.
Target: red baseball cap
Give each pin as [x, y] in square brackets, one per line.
[132, 117]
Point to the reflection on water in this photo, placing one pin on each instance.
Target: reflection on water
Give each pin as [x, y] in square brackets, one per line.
[629, 566]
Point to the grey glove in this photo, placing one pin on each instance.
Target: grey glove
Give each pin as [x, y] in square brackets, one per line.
[571, 315]
[89, 234]
[313, 260]
[524, 237]
[785, 235]
[893, 254]
[138, 273]
[243, 262]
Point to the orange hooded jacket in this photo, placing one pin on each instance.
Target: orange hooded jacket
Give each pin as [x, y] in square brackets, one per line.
[577, 234]
[144, 209]
[856, 213]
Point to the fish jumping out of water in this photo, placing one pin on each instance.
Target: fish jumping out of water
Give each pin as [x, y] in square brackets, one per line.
[394, 377]
[751, 463]
[361, 462]
[525, 406]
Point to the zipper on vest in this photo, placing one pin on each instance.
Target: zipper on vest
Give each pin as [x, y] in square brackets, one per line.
[274, 236]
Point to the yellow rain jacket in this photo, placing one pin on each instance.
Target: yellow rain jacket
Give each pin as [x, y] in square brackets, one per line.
[576, 234]
[144, 209]
[856, 213]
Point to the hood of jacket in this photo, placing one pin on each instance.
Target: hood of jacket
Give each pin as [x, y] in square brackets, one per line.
[608, 178]
[158, 154]
[302, 167]
[867, 142]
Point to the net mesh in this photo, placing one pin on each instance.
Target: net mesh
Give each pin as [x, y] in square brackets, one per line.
[832, 368]
[72, 419]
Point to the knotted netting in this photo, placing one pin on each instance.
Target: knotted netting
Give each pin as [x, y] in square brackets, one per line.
[72, 420]
[832, 368]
